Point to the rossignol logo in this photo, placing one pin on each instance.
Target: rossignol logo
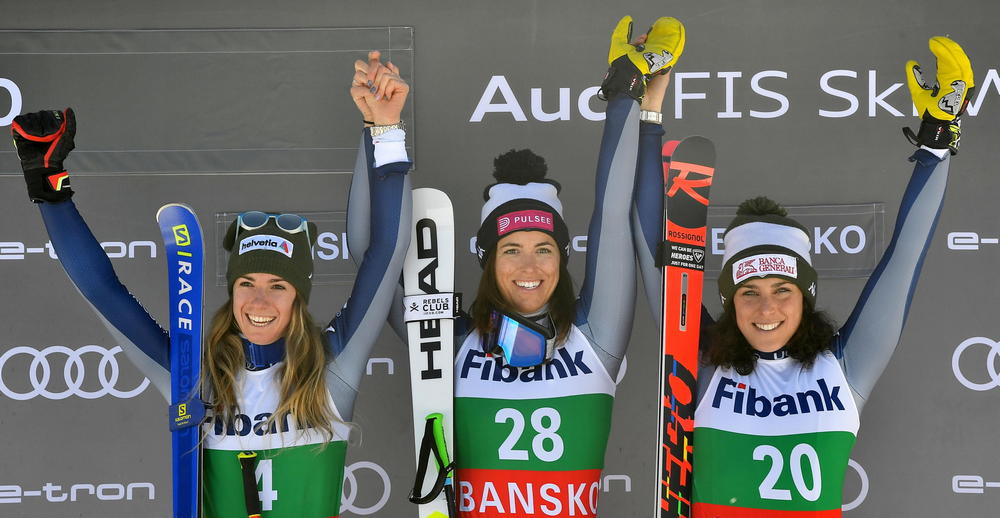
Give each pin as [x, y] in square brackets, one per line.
[763, 265]
[746, 401]
[493, 369]
[267, 242]
[524, 219]
[15, 101]
[16, 494]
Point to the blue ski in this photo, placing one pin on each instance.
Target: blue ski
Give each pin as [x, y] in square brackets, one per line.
[185, 264]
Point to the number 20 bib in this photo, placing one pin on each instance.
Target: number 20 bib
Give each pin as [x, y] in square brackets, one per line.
[531, 441]
[775, 443]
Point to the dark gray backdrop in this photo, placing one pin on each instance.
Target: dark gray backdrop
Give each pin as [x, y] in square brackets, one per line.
[236, 105]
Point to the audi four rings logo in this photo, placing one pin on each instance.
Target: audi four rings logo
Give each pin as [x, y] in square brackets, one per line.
[40, 373]
[991, 363]
[349, 503]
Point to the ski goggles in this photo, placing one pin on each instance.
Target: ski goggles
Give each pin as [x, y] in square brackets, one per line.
[290, 223]
[521, 342]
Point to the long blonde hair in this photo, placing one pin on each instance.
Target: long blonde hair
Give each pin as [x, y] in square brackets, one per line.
[303, 386]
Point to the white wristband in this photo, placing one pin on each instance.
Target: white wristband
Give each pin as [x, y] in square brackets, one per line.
[390, 147]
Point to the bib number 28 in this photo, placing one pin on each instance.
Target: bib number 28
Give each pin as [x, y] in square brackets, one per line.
[546, 444]
[800, 452]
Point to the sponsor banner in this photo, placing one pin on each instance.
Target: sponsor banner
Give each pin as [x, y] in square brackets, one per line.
[762, 265]
[980, 371]
[972, 484]
[59, 372]
[76, 492]
[500, 493]
[841, 93]
[971, 241]
[200, 129]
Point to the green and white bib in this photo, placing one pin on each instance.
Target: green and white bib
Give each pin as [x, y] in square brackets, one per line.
[296, 479]
[530, 442]
[775, 443]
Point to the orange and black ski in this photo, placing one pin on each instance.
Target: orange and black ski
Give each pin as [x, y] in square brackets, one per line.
[688, 168]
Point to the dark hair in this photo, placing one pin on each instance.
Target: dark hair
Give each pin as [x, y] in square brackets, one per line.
[488, 298]
[729, 348]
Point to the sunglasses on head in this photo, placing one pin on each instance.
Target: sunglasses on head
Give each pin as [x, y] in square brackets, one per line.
[290, 223]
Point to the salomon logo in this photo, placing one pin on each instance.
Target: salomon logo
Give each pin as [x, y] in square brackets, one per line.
[266, 242]
[493, 368]
[746, 401]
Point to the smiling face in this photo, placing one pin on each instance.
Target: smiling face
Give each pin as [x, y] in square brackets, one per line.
[527, 269]
[768, 312]
[262, 306]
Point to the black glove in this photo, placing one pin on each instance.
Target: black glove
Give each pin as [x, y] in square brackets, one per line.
[43, 139]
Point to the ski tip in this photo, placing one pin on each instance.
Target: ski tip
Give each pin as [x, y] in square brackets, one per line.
[430, 197]
[169, 205]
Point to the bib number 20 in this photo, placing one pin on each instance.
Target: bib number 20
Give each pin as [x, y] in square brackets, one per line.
[547, 445]
[769, 492]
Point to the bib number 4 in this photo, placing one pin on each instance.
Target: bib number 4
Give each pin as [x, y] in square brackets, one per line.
[546, 445]
[800, 452]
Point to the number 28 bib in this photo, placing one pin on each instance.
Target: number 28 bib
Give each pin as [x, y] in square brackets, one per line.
[775, 443]
[531, 441]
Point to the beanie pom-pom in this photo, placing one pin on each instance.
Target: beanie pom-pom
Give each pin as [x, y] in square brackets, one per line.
[520, 166]
[761, 206]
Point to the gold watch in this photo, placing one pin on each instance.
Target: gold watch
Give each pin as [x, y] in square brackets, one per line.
[378, 130]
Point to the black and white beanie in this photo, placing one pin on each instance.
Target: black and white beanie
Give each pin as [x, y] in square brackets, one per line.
[269, 249]
[762, 241]
[521, 199]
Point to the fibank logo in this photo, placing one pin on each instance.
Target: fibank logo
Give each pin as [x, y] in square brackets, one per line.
[23, 381]
[969, 241]
[746, 401]
[267, 242]
[841, 93]
[987, 365]
[15, 101]
[490, 368]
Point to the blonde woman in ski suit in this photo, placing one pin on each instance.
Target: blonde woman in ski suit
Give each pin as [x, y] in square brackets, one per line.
[274, 382]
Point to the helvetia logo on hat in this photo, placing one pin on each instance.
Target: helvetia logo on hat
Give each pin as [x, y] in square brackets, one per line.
[267, 242]
[524, 219]
[763, 265]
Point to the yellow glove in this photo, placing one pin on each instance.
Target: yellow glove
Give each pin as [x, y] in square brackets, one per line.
[947, 98]
[941, 106]
[630, 65]
[663, 47]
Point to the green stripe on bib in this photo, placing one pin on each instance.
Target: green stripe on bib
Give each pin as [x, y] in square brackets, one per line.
[546, 434]
[297, 482]
[799, 472]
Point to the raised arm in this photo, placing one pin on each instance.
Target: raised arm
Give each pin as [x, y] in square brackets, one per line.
[43, 140]
[868, 339]
[607, 298]
[381, 241]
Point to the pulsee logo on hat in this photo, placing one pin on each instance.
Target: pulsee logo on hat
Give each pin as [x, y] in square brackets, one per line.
[267, 242]
[524, 219]
[762, 265]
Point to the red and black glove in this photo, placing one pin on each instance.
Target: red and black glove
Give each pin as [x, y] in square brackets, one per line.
[43, 139]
